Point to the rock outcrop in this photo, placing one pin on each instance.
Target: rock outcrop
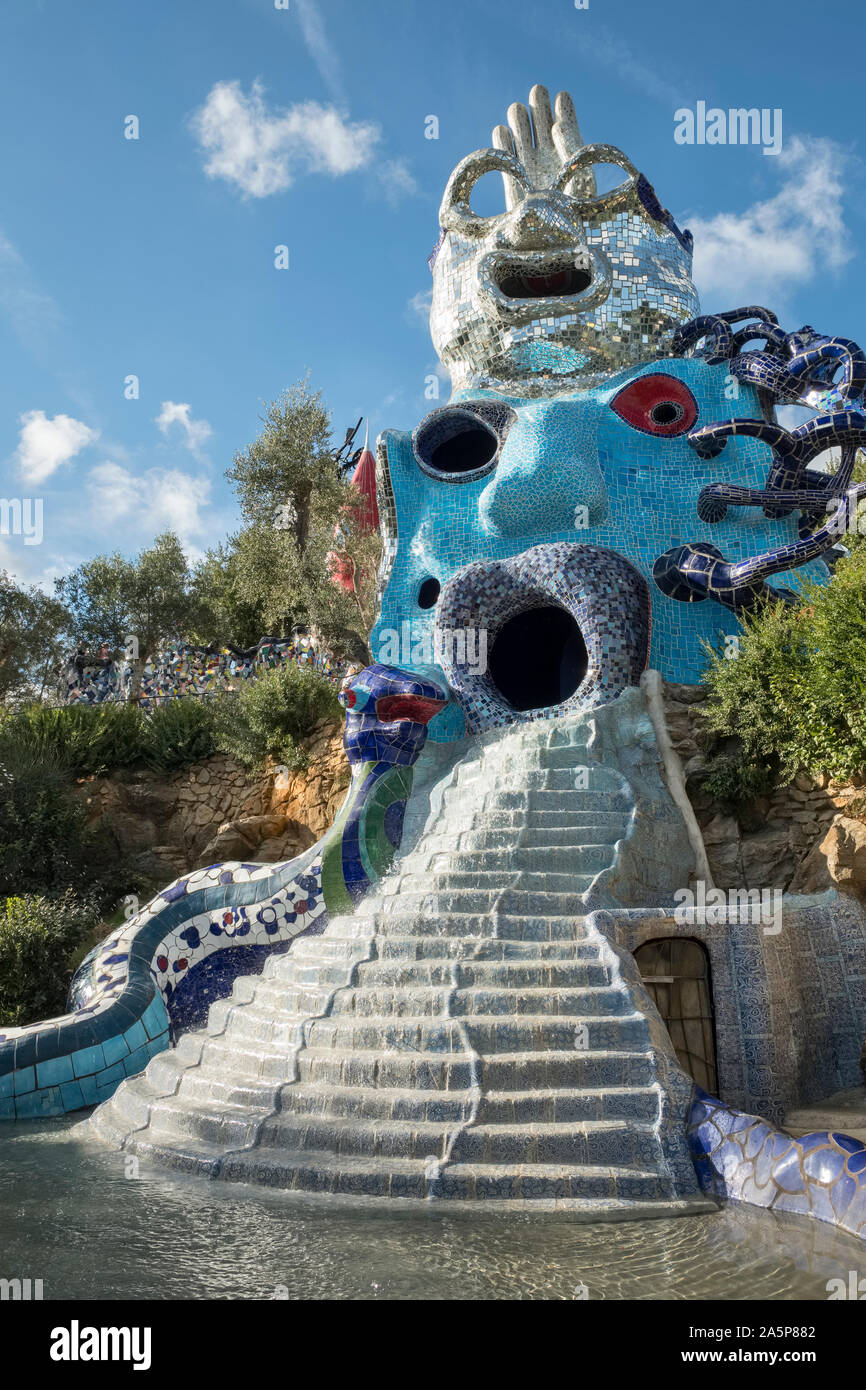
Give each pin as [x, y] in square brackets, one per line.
[803, 838]
[214, 811]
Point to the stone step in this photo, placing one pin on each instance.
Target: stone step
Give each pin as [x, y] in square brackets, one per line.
[488, 1033]
[580, 776]
[594, 1142]
[308, 1171]
[201, 1087]
[598, 830]
[385, 1103]
[584, 1193]
[294, 1005]
[532, 799]
[450, 1071]
[284, 1032]
[217, 1122]
[468, 911]
[504, 758]
[553, 1070]
[564, 1106]
[475, 948]
[460, 877]
[472, 1001]
[520, 974]
[535, 862]
[456, 1071]
[578, 817]
[248, 1060]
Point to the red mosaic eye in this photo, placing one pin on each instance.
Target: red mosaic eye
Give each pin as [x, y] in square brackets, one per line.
[656, 404]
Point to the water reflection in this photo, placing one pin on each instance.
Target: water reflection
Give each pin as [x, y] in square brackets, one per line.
[69, 1216]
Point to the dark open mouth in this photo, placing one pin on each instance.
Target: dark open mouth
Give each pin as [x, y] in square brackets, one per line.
[538, 657]
[566, 281]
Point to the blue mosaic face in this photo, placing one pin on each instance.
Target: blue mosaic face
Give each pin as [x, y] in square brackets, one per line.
[489, 477]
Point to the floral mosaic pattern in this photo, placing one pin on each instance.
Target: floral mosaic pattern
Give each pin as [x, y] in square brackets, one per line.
[184, 670]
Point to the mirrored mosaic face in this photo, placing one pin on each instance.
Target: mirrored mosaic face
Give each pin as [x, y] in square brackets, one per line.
[564, 283]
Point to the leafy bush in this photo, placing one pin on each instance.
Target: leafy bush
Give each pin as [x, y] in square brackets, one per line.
[733, 781]
[38, 938]
[91, 740]
[84, 739]
[271, 716]
[46, 843]
[796, 694]
[177, 734]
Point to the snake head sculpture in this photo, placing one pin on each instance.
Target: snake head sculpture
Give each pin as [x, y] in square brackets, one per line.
[387, 713]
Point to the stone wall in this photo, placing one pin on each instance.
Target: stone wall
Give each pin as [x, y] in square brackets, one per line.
[804, 838]
[214, 811]
[789, 1000]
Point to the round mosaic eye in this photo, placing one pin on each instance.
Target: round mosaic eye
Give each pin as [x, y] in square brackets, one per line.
[656, 404]
[455, 444]
[355, 697]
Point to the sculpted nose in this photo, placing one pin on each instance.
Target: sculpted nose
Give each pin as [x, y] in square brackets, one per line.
[538, 223]
[537, 489]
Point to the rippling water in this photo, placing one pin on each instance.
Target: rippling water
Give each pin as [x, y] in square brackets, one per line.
[69, 1216]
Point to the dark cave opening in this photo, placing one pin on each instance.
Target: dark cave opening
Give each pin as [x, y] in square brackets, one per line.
[538, 658]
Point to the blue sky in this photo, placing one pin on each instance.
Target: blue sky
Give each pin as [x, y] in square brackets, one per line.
[305, 127]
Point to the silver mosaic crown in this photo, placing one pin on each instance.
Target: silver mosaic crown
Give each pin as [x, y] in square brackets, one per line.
[566, 284]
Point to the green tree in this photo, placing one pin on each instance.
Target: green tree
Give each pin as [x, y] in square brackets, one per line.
[33, 628]
[302, 519]
[149, 599]
[227, 610]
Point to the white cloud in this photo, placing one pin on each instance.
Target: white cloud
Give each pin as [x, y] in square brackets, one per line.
[791, 417]
[45, 444]
[397, 180]
[158, 500]
[608, 50]
[180, 413]
[319, 47]
[421, 304]
[33, 314]
[796, 236]
[257, 148]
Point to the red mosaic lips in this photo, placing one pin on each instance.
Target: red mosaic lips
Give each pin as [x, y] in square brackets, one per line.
[419, 708]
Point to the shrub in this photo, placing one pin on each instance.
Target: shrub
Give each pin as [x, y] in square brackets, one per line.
[85, 739]
[734, 782]
[177, 734]
[271, 716]
[46, 843]
[796, 694]
[38, 937]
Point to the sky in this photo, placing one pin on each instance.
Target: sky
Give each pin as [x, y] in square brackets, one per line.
[144, 319]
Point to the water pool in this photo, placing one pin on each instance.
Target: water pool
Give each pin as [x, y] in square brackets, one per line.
[70, 1216]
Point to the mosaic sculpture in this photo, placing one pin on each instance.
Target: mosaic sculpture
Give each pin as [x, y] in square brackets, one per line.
[181, 670]
[463, 1025]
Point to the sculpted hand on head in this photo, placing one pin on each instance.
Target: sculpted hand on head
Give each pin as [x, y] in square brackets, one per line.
[551, 288]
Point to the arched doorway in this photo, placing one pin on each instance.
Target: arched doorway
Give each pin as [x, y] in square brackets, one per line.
[676, 974]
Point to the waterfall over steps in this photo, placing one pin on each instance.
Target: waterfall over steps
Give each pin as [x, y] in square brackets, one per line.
[466, 1034]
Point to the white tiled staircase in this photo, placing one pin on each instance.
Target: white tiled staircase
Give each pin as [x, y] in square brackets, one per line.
[466, 1034]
